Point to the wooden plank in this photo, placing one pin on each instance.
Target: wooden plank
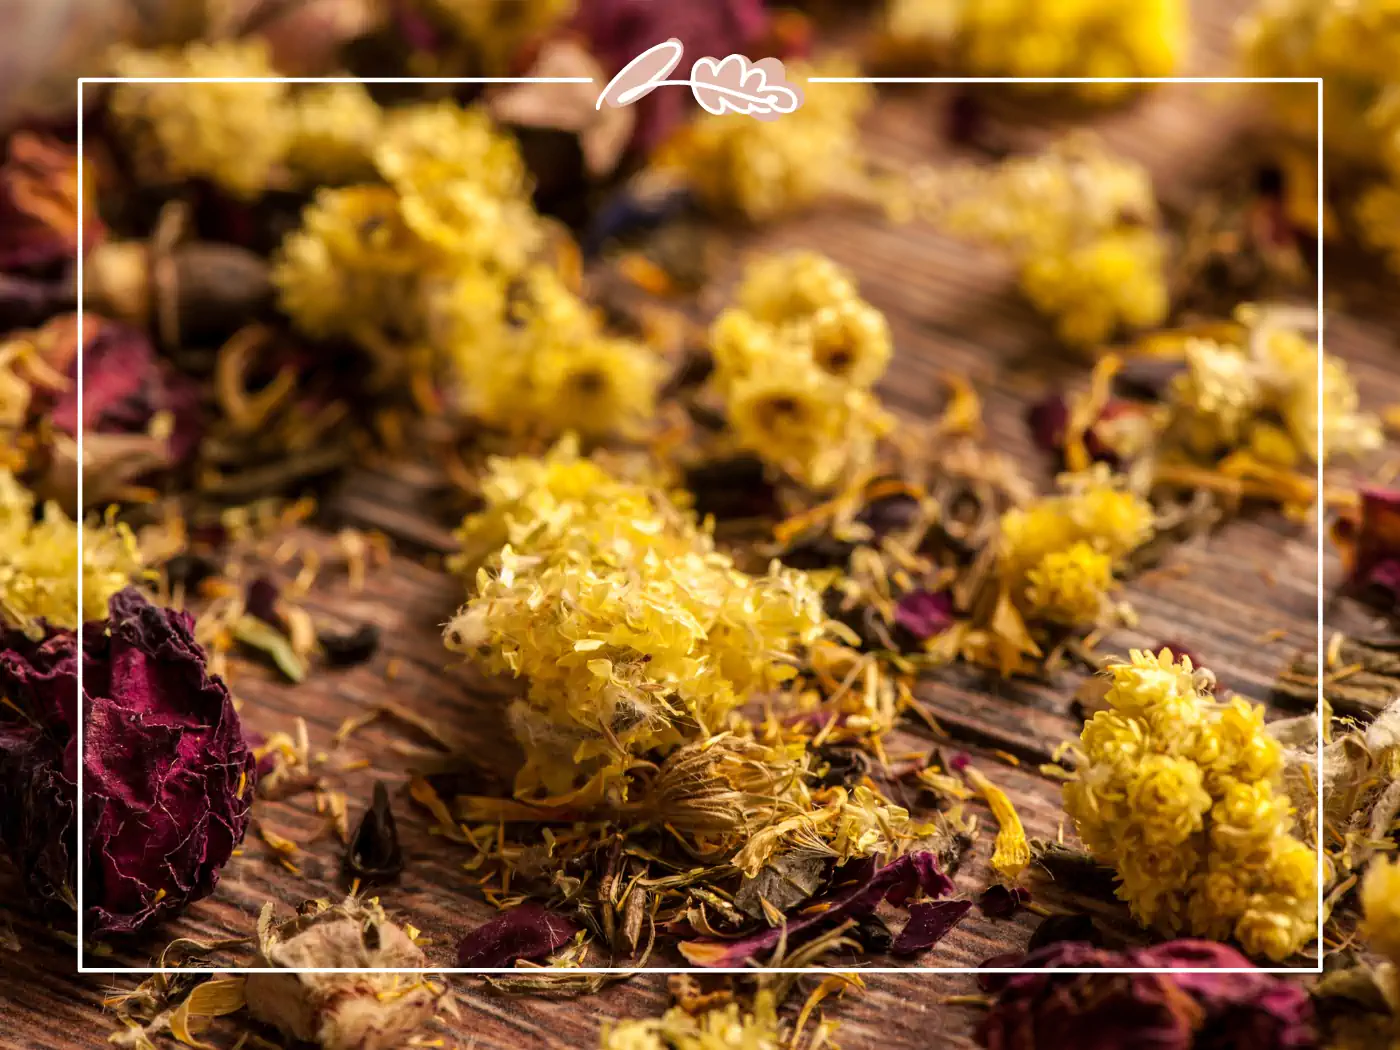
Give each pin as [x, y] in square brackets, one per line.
[952, 309]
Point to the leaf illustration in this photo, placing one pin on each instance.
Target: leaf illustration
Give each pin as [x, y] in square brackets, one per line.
[643, 75]
[760, 89]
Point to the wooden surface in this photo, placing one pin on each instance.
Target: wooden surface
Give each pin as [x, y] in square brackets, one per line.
[952, 310]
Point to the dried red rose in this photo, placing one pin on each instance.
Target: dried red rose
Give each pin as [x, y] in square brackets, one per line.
[39, 205]
[168, 779]
[1151, 1011]
[1368, 537]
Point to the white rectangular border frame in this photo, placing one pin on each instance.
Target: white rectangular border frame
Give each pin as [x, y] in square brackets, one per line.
[84, 969]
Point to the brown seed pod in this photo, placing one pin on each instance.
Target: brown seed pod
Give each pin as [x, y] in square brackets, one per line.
[190, 292]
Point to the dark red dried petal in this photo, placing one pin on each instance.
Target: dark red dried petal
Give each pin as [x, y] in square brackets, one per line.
[1369, 540]
[924, 614]
[929, 922]
[868, 885]
[124, 385]
[1002, 902]
[1152, 1011]
[39, 205]
[525, 932]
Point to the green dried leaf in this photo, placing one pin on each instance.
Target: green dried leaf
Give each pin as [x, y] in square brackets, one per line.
[267, 639]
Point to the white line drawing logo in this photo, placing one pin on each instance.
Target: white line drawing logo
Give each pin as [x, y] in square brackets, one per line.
[730, 85]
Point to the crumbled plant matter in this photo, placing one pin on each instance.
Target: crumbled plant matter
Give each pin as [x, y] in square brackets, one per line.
[1056, 566]
[1188, 1011]
[1368, 535]
[39, 563]
[869, 885]
[140, 417]
[632, 631]
[1360, 774]
[1255, 388]
[1360, 1003]
[762, 171]
[39, 206]
[375, 854]
[168, 776]
[794, 363]
[1227, 413]
[1101, 38]
[1082, 226]
[527, 931]
[347, 648]
[341, 1011]
[1183, 796]
[727, 1028]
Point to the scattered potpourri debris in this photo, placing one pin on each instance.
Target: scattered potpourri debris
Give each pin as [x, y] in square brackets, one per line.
[706, 556]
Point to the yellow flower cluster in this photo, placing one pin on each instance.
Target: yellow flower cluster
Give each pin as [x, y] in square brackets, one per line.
[633, 632]
[245, 137]
[547, 367]
[1028, 38]
[761, 170]
[727, 1028]
[235, 134]
[1181, 794]
[39, 562]
[334, 130]
[1082, 226]
[1355, 46]
[1261, 392]
[1057, 556]
[435, 267]
[1380, 901]
[794, 362]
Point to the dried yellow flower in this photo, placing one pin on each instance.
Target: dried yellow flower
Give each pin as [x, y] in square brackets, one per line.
[762, 170]
[1082, 225]
[1057, 556]
[39, 562]
[633, 633]
[543, 366]
[335, 127]
[727, 1028]
[234, 134]
[794, 363]
[1263, 388]
[1182, 795]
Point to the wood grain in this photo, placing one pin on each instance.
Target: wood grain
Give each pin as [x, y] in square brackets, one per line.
[953, 309]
